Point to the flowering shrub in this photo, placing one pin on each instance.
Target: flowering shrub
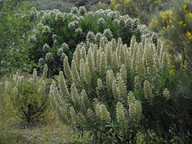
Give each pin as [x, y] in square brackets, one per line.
[104, 89]
[58, 34]
[135, 8]
[28, 96]
[174, 25]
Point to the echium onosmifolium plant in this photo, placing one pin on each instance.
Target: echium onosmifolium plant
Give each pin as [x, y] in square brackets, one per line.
[94, 93]
[28, 96]
[55, 28]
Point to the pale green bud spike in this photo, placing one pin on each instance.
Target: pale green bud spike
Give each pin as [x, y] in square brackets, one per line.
[140, 65]
[115, 62]
[91, 115]
[82, 69]
[132, 44]
[95, 102]
[143, 41]
[123, 73]
[158, 48]
[147, 90]
[35, 75]
[74, 94]
[63, 86]
[105, 113]
[109, 78]
[121, 55]
[90, 61]
[21, 78]
[146, 51]
[130, 98]
[87, 75]
[138, 107]
[102, 44]
[118, 53]
[119, 43]
[99, 84]
[59, 102]
[115, 90]
[148, 55]
[78, 55]
[98, 58]
[75, 73]
[42, 87]
[120, 112]
[81, 118]
[166, 93]
[15, 91]
[94, 54]
[164, 62]
[52, 94]
[67, 68]
[102, 65]
[84, 99]
[73, 115]
[7, 87]
[128, 59]
[132, 111]
[15, 77]
[157, 63]
[109, 56]
[45, 69]
[98, 111]
[75, 56]
[133, 58]
[125, 49]
[140, 48]
[114, 46]
[83, 53]
[91, 47]
[122, 87]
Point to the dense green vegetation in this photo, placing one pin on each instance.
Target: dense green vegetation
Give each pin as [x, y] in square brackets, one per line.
[77, 76]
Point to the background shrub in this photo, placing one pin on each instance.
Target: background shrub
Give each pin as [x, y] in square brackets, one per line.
[141, 9]
[63, 6]
[58, 33]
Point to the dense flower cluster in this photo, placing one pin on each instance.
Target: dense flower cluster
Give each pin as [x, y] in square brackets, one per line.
[99, 77]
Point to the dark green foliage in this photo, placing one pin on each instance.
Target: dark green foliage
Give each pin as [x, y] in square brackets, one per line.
[15, 24]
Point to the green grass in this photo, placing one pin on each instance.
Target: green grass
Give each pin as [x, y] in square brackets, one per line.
[52, 4]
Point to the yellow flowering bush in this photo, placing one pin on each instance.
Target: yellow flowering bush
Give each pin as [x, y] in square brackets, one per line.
[175, 28]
